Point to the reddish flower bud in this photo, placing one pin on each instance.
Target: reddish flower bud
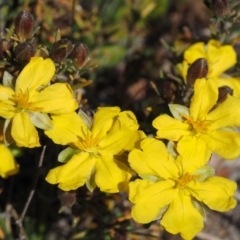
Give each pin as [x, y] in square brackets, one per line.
[79, 54]
[223, 92]
[23, 24]
[67, 198]
[170, 90]
[220, 7]
[23, 52]
[198, 69]
[61, 49]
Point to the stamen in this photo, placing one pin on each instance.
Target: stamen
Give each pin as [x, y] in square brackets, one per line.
[88, 143]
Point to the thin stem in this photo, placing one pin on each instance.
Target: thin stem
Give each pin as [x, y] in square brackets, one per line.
[19, 222]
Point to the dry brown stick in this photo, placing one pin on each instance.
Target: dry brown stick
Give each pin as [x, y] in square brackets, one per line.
[19, 222]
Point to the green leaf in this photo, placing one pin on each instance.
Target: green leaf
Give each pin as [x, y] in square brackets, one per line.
[200, 207]
[90, 183]
[171, 147]
[15, 150]
[86, 119]
[7, 80]
[67, 154]
[204, 173]
[41, 120]
[58, 35]
[7, 132]
[149, 177]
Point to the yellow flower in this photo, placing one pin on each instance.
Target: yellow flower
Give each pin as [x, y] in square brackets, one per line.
[175, 190]
[202, 129]
[8, 165]
[94, 150]
[27, 106]
[219, 58]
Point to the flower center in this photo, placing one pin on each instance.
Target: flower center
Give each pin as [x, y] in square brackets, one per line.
[88, 143]
[197, 126]
[21, 100]
[184, 180]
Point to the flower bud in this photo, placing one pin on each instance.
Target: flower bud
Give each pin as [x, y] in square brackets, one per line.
[23, 52]
[61, 49]
[5, 46]
[79, 54]
[198, 69]
[23, 24]
[220, 7]
[223, 92]
[170, 90]
[67, 198]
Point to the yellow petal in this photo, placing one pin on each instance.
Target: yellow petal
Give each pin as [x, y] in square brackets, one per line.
[153, 160]
[194, 52]
[225, 114]
[116, 143]
[103, 120]
[216, 192]
[225, 143]
[220, 58]
[24, 132]
[8, 166]
[233, 83]
[111, 175]
[38, 72]
[67, 128]
[204, 98]
[7, 111]
[194, 151]
[123, 135]
[56, 99]
[149, 198]
[7, 95]
[170, 128]
[74, 173]
[7, 104]
[182, 217]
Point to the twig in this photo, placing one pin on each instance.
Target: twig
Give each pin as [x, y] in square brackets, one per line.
[19, 222]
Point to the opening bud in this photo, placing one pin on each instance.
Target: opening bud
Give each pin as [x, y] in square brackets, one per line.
[23, 52]
[61, 49]
[79, 55]
[223, 92]
[198, 69]
[220, 7]
[24, 23]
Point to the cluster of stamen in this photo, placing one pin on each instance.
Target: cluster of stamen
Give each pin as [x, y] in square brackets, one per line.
[184, 180]
[21, 100]
[88, 143]
[196, 126]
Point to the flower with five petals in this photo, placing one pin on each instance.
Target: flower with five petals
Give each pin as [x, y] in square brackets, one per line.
[94, 155]
[203, 128]
[219, 58]
[174, 190]
[27, 105]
